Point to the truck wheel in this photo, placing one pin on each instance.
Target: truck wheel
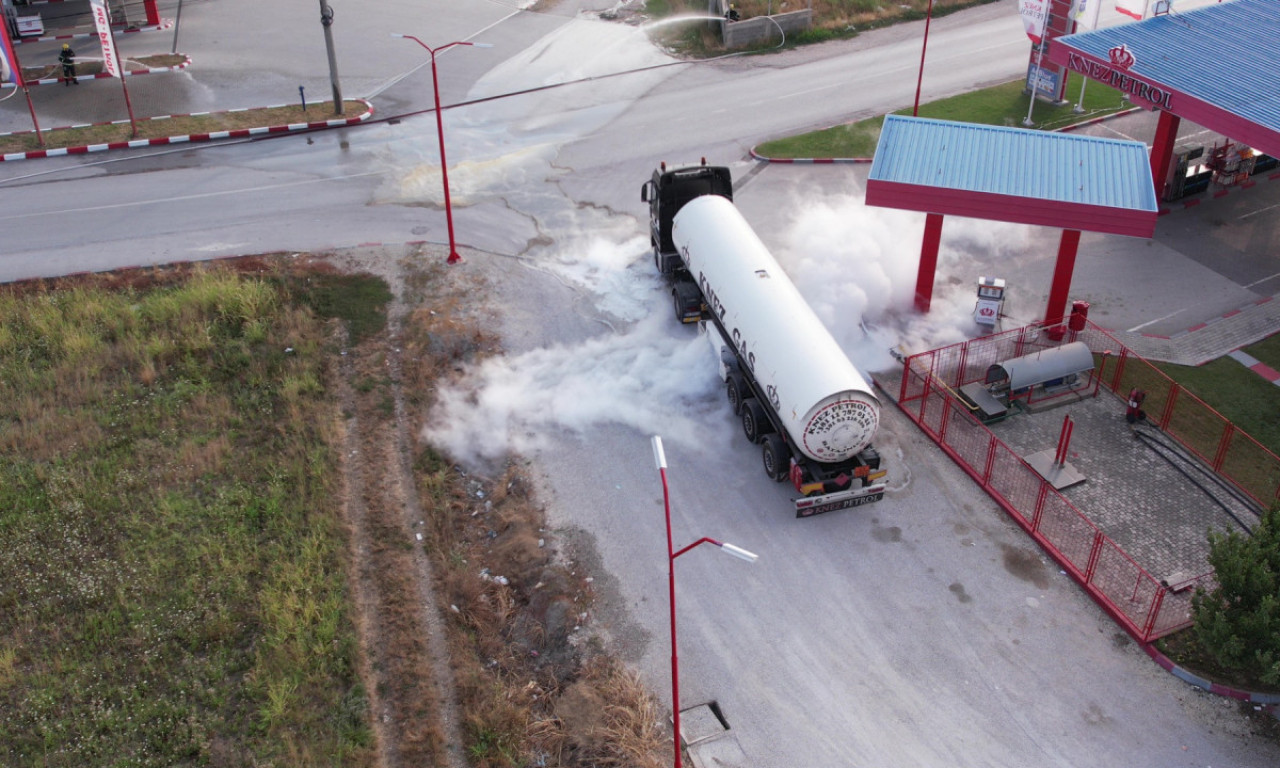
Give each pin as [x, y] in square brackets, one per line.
[733, 389]
[777, 462]
[754, 421]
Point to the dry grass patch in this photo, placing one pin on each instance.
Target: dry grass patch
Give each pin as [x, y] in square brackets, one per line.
[534, 683]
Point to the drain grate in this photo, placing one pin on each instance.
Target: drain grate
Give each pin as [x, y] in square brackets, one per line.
[702, 722]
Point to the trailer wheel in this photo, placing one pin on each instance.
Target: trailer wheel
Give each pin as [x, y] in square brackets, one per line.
[777, 464]
[733, 387]
[754, 421]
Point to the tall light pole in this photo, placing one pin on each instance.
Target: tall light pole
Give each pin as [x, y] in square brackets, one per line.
[660, 458]
[928, 16]
[326, 21]
[454, 258]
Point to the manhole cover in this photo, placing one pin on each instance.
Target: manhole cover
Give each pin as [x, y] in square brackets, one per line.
[702, 722]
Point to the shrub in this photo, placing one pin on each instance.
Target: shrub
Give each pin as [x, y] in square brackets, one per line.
[1238, 623]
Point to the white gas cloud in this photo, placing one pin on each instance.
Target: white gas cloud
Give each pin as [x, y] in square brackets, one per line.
[856, 265]
[654, 377]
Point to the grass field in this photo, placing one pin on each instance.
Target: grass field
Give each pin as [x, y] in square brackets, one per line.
[210, 552]
[1004, 105]
[1228, 392]
[172, 582]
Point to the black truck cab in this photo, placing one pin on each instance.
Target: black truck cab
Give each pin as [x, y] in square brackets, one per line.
[667, 192]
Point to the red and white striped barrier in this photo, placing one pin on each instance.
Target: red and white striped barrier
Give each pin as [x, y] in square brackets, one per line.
[164, 24]
[212, 136]
[809, 160]
[101, 75]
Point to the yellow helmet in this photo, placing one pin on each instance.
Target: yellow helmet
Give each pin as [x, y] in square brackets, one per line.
[65, 46]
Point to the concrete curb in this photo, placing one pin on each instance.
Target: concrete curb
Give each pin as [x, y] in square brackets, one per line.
[1269, 701]
[1096, 120]
[164, 24]
[101, 75]
[186, 262]
[213, 136]
[808, 160]
[834, 160]
[1255, 365]
[1200, 326]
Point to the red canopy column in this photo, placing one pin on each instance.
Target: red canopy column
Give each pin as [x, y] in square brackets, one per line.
[1162, 149]
[1062, 271]
[153, 13]
[928, 260]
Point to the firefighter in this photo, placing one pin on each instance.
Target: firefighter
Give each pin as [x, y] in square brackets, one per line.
[732, 13]
[1134, 413]
[67, 58]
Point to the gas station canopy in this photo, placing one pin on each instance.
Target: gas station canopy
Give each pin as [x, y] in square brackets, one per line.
[1215, 66]
[1012, 174]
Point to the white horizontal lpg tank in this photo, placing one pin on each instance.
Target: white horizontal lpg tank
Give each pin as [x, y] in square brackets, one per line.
[825, 404]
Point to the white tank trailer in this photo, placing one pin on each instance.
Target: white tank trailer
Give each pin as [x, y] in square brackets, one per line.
[797, 393]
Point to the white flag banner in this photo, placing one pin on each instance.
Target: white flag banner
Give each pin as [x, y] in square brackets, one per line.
[102, 21]
[1136, 9]
[1086, 13]
[1035, 14]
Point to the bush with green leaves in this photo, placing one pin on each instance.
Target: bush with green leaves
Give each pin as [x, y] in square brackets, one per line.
[1238, 623]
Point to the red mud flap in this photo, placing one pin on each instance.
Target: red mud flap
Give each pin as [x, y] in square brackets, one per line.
[816, 505]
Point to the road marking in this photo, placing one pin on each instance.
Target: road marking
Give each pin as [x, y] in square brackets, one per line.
[1152, 322]
[1263, 280]
[215, 247]
[1260, 210]
[201, 196]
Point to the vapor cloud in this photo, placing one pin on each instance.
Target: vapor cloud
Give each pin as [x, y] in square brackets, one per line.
[654, 377]
[855, 265]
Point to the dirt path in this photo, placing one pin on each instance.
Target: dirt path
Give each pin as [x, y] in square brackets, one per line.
[467, 611]
[406, 665]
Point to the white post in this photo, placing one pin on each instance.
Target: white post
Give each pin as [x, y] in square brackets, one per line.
[1035, 81]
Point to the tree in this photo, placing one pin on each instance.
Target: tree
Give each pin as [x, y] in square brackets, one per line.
[1238, 622]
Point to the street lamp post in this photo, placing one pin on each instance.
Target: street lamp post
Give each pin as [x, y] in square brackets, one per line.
[454, 258]
[660, 459]
[928, 16]
[326, 21]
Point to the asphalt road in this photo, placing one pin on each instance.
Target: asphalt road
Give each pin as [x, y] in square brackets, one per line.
[924, 630]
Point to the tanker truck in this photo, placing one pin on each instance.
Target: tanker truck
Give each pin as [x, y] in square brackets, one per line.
[787, 380]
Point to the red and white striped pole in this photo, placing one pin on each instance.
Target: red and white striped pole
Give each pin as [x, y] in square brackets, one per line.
[1064, 440]
[660, 459]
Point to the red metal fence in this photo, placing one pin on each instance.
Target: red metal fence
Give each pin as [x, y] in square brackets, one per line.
[1144, 606]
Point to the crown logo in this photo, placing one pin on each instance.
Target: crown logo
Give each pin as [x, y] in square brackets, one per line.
[1121, 57]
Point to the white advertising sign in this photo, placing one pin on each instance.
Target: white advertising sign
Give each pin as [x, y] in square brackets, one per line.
[102, 21]
[1035, 14]
[1086, 12]
[1136, 9]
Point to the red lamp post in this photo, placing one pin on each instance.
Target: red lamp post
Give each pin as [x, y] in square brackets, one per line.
[660, 458]
[454, 258]
[928, 16]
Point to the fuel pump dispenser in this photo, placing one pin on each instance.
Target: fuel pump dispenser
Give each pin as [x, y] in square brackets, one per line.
[990, 301]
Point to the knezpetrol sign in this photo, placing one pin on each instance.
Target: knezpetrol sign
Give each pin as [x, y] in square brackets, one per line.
[1116, 74]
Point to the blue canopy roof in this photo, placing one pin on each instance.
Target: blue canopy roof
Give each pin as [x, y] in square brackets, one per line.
[1217, 65]
[1012, 174]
